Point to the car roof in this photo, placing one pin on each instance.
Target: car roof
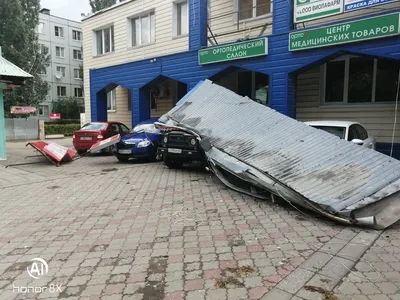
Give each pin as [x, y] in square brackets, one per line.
[333, 123]
[105, 122]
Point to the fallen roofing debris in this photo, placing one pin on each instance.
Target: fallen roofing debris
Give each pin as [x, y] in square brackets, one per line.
[256, 150]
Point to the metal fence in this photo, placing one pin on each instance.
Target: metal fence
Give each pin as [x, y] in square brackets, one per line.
[22, 129]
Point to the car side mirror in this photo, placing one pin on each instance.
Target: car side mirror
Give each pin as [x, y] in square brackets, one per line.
[357, 141]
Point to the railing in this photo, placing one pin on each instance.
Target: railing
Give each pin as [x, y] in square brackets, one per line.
[239, 24]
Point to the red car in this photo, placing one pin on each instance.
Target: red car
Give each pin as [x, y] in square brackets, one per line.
[94, 132]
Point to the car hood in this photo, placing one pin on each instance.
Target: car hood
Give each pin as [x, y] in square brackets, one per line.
[138, 137]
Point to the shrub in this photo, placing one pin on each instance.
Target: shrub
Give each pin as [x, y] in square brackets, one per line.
[67, 129]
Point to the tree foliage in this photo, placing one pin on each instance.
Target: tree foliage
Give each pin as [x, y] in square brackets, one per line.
[97, 5]
[18, 39]
[68, 107]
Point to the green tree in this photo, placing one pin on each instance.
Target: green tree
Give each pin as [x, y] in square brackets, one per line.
[97, 5]
[18, 38]
[68, 107]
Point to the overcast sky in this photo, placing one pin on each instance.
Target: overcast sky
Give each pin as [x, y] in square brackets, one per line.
[69, 9]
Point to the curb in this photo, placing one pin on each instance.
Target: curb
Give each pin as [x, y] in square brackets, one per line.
[54, 136]
[326, 267]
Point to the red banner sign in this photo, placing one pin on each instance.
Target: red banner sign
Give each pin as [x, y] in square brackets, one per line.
[56, 153]
[56, 116]
[105, 143]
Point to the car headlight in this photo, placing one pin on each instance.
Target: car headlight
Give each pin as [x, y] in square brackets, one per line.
[129, 142]
[165, 139]
[143, 144]
[193, 142]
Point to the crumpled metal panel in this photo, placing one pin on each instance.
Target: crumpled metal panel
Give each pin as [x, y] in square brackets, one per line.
[329, 171]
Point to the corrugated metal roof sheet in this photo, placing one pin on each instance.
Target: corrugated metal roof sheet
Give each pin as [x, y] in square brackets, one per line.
[325, 169]
[9, 69]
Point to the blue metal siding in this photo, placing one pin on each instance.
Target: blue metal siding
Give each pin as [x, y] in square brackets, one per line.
[198, 24]
[279, 64]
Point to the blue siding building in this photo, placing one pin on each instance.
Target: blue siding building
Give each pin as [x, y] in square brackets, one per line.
[299, 64]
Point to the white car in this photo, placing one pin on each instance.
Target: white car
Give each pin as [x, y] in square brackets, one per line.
[350, 131]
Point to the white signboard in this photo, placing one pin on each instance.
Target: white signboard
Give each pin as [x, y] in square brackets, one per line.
[307, 10]
[350, 5]
[57, 151]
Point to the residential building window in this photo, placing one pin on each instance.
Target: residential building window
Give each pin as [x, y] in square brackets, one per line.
[60, 52]
[43, 110]
[78, 74]
[78, 93]
[60, 70]
[143, 29]
[111, 100]
[248, 9]
[77, 54]
[44, 49]
[105, 40]
[76, 35]
[59, 31]
[40, 28]
[360, 79]
[180, 18]
[61, 91]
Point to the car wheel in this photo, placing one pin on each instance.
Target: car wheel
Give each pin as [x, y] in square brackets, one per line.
[172, 164]
[81, 151]
[122, 159]
[153, 157]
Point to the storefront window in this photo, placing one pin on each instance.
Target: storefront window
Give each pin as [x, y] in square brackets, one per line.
[261, 88]
[334, 81]
[360, 79]
[387, 75]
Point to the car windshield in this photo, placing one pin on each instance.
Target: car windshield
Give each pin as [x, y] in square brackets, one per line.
[94, 126]
[148, 128]
[338, 131]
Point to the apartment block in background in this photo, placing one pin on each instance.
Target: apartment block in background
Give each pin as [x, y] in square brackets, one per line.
[62, 39]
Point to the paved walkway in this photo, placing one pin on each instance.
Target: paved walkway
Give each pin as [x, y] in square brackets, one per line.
[141, 231]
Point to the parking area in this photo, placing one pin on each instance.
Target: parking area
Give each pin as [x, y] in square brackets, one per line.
[109, 230]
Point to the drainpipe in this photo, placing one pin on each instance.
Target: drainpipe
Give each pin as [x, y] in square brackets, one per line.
[2, 121]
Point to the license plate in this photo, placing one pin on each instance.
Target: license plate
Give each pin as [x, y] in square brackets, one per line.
[125, 151]
[176, 151]
[86, 138]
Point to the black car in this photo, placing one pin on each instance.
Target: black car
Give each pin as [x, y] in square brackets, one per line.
[178, 147]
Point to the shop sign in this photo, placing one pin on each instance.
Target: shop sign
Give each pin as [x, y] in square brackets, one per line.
[350, 5]
[22, 110]
[307, 10]
[350, 32]
[242, 50]
[55, 116]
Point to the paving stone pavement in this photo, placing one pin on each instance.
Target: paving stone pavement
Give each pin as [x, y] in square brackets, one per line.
[141, 231]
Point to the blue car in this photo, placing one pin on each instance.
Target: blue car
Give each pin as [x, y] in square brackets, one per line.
[141, 143]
